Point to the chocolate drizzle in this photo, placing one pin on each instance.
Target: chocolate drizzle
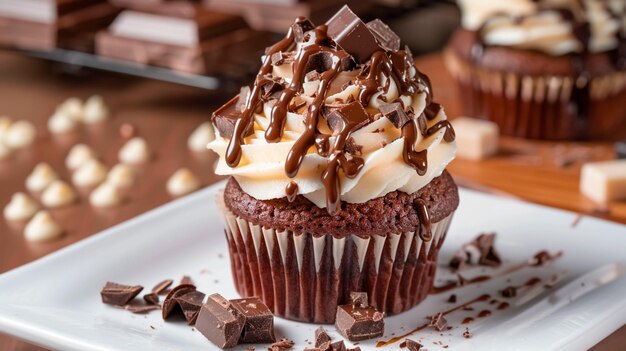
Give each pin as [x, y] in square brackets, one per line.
[319, 51]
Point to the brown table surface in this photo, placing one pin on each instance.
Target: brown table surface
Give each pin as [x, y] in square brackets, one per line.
[165, 114]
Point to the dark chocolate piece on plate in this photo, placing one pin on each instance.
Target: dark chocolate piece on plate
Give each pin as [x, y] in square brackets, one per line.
[488, 254]
[413, 345]
[190, 304]
[394, 112]
[338, 346]
[170, 304]
[452, 298]
[620, 149]
[387, 38]
[151, 298]
[139, 309]
[119, 294]
[300, 27]
[162, 286]
[225, 117]
[359, 323]
[349, 116]
[438, 322]
[259, 325]
[220, 322]
[510, 291]
[349, 32]
[281, 345]
[321, 336]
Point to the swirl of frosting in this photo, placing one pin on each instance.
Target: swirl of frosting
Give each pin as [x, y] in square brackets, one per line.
[373, 157]
[555, 27]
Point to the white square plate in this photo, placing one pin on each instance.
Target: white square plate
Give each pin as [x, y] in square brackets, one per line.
[55, 302]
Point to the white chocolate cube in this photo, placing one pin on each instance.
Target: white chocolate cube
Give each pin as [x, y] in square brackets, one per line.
[604, 181]
[475, 138]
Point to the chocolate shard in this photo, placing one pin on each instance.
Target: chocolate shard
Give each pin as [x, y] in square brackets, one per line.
[322, 61]
[259, 324]
[282, 344]
[119, 294]
[162, 286]
[338, 346]
[510, 291]
[413, 345]
[151, 298]
[452, 298]
[349, 117]
[321, 336]
[225, 117]
[190, 304]
[359, 299]
[386, 37]
[349, 32]
[140, 309]
[220, 322]
[170, 304]
[488, 254]
[300, 27]
[394, 112]
[359, 323]
[438, 322]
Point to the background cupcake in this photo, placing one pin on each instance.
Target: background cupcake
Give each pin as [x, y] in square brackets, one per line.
[337, 156]
[547, 69]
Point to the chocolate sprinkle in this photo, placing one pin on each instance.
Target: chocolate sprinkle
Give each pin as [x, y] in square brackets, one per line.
[119, 294]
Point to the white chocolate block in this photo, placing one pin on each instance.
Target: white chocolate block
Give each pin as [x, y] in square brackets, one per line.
[604, 181]
[475, 138]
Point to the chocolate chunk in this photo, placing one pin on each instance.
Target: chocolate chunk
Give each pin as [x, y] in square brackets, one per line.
[282, 344]
[300, 27]
[620, 149]
[259, 324]
[350, 33]
[413, 345]
[225, 117]
[488, 254]
[452, 299]
[162, 286]
[359, 323]
[467, 334]
[338, 346]
[395, 113]
[350, 116]
[312, 76]
[359, 299]
[386, 37]
[277, 58]
[438, 322]
[139, 309]
[322, 61]
[321, 336]
[190, 304]
[541, 258]
[151, 298]
[353, 148]
[510, 291]
[170, 304]
[220, 322]
[118, 294]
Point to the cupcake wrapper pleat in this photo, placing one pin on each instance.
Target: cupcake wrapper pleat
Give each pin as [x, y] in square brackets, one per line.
[540, 107]
[304, 277]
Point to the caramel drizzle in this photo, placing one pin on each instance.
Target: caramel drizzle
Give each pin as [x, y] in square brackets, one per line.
[338, 159]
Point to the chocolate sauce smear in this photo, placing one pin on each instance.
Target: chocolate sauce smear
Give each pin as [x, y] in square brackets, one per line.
[330, 52]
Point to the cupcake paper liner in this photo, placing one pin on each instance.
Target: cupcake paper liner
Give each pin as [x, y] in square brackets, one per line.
[304, 277]
[539, 107]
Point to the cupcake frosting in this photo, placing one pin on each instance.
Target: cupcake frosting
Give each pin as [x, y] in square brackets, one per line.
[555, 27]
[334, 118]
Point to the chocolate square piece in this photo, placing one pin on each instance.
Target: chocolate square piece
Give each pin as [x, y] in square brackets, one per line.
[438, 322]
[220, 322]
[387, 38]
[394, 112]
[225, 117]
[359, 323]
[413, 345]
[352, 35]
[259, 324]
[301, 26]
[350, 116]
[119, 294]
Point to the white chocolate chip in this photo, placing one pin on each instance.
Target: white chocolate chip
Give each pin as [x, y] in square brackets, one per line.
[42, 228]
[91, 173]
[200, 137]
[475, 138]
[95, 110]
[20, 134]
[5, 152]
[121, 175]
[61, 123]
[79, 155]
[182, 182]
[5, 124]
[58, 194]
[72, 107]
[105, 195]
[604, 181]
[134, 151]
[40, 178]
[21, 207]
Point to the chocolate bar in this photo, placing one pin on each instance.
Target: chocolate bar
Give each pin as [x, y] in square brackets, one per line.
[48, 24]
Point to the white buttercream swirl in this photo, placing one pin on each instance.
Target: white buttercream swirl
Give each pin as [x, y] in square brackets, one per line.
[261, 171]
[528, 24]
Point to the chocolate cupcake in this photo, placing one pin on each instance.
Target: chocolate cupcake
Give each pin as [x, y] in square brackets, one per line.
[337, 159]
[552, 70]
